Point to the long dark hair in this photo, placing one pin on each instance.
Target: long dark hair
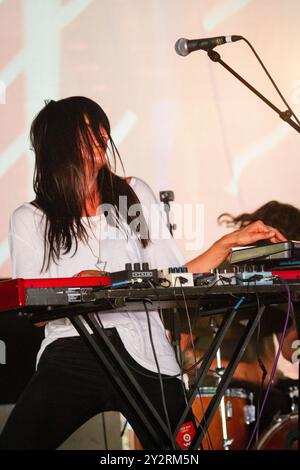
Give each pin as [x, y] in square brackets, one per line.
[59, 133]
[284, 217]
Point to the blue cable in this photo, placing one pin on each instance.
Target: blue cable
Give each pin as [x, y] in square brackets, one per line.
[121, 283]
[239, 303]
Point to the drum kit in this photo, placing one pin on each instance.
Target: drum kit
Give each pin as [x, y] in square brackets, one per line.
[231, 426]
[231, 430]
[233, 423]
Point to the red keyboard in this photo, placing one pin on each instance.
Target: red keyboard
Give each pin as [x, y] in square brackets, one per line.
[14, 292]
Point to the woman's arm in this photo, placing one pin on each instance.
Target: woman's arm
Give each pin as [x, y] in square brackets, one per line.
[221, 249]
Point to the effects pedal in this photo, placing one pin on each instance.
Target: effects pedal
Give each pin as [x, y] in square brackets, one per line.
[223, 277]
[176, 277]
[253, 275]
[134, 274]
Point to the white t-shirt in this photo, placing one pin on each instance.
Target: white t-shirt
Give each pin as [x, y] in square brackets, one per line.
[26, 241]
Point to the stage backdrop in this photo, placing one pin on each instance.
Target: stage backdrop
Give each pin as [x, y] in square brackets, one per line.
[181, 123]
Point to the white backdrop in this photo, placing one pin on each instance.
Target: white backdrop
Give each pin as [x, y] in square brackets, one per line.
[181, 123]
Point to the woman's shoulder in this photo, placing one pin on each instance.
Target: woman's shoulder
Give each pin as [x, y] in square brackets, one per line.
[26, 211]
[142, 189]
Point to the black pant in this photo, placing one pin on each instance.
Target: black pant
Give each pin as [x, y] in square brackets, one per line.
[70, 387]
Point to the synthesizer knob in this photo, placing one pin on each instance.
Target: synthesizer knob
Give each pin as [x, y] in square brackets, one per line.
[136, 267]
[145, 267]
[128, 267]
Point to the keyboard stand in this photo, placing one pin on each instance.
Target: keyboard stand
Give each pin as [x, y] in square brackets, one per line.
[123, 379]
[226, 377]
[135, 397]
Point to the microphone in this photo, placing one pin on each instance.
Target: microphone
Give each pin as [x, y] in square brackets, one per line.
[184, 46]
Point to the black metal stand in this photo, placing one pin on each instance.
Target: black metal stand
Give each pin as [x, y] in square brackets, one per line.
[226, 378]
[136, 398]
[284, 115]
[176, 331]
[123, 379]
[207, 360]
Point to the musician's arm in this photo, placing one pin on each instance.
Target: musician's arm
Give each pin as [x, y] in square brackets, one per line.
[221, 249]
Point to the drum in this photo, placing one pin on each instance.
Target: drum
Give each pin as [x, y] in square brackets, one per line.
[239, 414]
[283, 434]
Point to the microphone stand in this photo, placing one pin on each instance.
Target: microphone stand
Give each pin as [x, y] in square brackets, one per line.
[284, 115]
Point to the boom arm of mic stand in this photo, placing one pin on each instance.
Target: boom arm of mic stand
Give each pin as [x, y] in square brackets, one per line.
[284, 115]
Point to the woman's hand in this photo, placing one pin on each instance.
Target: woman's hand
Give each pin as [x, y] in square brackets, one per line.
[251, 234]
[90, 273]
[221, 249]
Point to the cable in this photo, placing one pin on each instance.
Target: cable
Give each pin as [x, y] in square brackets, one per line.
[163, 280]
[210, 286]
[254, 279]
[207, 435]
[181, 374]
[153, 286]
[192, 367]
[165, 377]
[189, 323]
[206, 431]
[180, 352]
[104, 431]
[275, 362]
[96, 314]
[180, 365]
[206, 427]
[189, 320]
[159, 375]
[264, 373]
[160, 378]
[124, 428]
[271, 79]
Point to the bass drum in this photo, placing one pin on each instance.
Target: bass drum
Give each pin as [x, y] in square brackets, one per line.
[237, 410]
[283, 434]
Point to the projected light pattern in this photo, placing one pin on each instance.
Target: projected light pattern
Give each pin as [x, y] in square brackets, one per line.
[182, 124]
[223, 10]
[38, 62]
